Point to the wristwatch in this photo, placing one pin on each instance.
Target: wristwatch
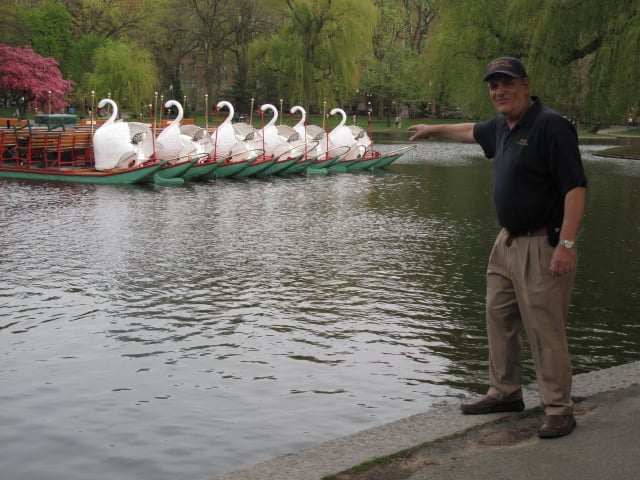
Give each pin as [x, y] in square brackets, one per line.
[567, 243]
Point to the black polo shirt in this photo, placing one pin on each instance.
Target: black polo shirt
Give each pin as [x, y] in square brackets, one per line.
[536, 164]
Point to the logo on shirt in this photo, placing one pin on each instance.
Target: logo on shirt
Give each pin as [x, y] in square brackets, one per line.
[523, 142]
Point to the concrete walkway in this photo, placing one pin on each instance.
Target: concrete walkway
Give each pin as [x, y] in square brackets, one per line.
[498, 446]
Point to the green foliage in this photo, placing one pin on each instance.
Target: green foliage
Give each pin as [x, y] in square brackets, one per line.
[583, 58]
[48, 30]
[613, 90]
[466, 36]
[11, 27]
[125, 73]
[318, 53]
[79, 54]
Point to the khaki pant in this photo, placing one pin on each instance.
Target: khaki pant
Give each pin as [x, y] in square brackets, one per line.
[522, 293]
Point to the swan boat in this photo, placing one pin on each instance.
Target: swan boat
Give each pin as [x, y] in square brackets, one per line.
[122, 176]
[64, 156]
[127, 152]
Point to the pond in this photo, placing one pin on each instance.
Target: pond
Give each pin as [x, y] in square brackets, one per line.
[179, 332]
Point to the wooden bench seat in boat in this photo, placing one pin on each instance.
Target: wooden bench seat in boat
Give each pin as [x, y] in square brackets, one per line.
[7, 146]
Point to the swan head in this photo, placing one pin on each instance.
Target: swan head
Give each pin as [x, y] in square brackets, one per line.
[223, 103]
[269, 106]
[105, 101]
[172, 103]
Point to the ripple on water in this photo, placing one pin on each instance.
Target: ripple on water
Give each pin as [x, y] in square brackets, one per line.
[179, 332]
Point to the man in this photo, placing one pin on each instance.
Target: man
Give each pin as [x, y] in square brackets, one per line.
[539, 194]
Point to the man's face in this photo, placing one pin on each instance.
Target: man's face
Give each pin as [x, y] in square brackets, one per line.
[510, 96]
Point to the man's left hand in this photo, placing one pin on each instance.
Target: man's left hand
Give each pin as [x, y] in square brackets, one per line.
[563, 261]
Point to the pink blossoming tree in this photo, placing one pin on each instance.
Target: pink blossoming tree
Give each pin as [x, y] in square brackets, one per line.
[28, 77]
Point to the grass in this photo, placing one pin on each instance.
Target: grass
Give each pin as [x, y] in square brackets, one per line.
[627, 151]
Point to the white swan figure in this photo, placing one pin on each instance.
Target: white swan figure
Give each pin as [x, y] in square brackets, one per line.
[269, 132]
[310, 133]
[300, 126]
[237, 143]
[120, 144]
[362, 138]
[171, 143]
[247, 133]
[224, 136]
[341, 136]
[198, 136]
[296, 144]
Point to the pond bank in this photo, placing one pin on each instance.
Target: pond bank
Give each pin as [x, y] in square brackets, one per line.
[445, 444]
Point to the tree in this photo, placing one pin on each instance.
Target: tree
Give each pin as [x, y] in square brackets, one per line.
[586, 62]
[420, 15]
[10, 25]
[319, 52]
[398, 40]
[124, 71]
[250, 22]
[27, 77]
[467, 35]
[49, 30]
[582, 59]
[114, 19]
[168, 35]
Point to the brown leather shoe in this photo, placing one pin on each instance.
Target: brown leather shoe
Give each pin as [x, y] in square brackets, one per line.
[557, 426]
[488, 404]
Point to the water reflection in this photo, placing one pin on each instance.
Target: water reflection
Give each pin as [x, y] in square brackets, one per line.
[163, 332]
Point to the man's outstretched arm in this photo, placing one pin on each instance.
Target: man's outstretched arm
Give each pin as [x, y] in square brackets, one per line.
[458, 132]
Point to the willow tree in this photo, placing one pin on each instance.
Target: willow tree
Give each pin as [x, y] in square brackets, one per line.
[124, 72]
[585, 58]
[466, 35]
[613, 88]
[398, 39]
[318, 53]
[582, 58]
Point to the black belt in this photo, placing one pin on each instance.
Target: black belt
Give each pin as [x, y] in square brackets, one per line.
[540, 232]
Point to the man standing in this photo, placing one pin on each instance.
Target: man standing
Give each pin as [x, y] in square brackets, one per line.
[539, 194]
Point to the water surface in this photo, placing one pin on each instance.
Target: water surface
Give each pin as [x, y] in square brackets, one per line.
[178, 332]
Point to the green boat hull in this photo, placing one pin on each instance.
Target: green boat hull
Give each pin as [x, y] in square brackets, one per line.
[362, 164]
[257, 167]
[341, 166]
[143, 174]
[280, 167]
[173, 174]
[202, 171]
[391, 157]
[226, 170]
[322, 164]
[299, 167]
[386, 160]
